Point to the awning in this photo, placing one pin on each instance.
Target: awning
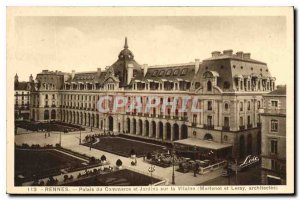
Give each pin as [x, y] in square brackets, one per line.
[203, 144]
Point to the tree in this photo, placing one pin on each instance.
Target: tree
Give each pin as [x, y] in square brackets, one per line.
[103, 158]
[149, 155]
[92, 160]
[119, 163]
[132, 152]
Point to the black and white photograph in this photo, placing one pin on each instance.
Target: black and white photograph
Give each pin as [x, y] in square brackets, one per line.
[150, 100]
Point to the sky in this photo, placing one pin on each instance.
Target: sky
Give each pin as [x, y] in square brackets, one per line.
[87, 43]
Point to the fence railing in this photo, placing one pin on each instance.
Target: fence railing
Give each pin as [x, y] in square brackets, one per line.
[204, 170]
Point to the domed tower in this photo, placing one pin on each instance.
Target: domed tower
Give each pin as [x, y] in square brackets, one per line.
[125, 68]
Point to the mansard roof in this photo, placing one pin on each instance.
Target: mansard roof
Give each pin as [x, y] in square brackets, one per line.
[176, 72]
[21, 86]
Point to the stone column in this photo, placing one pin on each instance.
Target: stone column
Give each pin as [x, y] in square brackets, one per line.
[220, 113]
[172, 132]
[157, 130]
[215, 113]
[202, 112]
[144, 129]
[150, 129]
[138, 127]
[164, 131]
[116, 124]
[254, 113]
[131, 126]
[236, 114]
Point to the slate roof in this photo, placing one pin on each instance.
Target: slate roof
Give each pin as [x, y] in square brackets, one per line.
[21, 85]
[169, 72]
[234, 57]
[280, 91]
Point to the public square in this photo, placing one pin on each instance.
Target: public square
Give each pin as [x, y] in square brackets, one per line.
[71, 141]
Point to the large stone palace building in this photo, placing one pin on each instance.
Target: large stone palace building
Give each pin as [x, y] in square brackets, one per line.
[229, 87]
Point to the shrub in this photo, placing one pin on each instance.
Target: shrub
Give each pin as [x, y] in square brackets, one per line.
[103, 158]
[132, 152]
[57, 145]
[92, 160]
[66, 177]
[119, 163]
[149, 155]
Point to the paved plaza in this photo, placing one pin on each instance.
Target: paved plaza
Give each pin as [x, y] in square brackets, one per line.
[71, 141]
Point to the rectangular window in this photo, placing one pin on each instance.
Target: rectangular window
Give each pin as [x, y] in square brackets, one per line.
[274, 125]
[209, 120]
[274, 165]
[274, 146]
[226, 121]
[274, 104]
[209, 105]
[241, 121]
[249, 120]
[194, 118]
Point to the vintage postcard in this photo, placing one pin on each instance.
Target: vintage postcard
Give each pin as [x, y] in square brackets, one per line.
[150, 100]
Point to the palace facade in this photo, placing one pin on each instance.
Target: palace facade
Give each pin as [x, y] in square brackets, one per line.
[229, 87]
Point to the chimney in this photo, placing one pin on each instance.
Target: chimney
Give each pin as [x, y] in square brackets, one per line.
[30, 78]
[228, 52]
[215, 53]
[145, 67]
[16, 78]
[247, 55]
[98, 71]
[239, 54]
[129, 73]
[197, 65]
[73, 73]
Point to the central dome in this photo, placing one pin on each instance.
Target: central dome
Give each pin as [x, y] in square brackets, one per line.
[126, 53]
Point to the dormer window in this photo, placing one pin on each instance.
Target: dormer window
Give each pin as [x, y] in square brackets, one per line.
[209, 86]
[155, 73]
[183, 72]
[176, 72]
[169, 72]
[161, 73]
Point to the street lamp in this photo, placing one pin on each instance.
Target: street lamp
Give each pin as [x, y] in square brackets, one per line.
[80, 135]
[60, 138]
[173, 157]
[151, 170]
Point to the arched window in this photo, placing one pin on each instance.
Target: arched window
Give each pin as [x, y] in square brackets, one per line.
[248, 105]
[226, 106]
[208, 136]
[241, 106]
[46, 115]
[209, 86]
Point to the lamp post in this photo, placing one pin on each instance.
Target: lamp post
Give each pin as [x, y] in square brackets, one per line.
[151, 170]
[173, 157]
[60, 138]
[80, 135]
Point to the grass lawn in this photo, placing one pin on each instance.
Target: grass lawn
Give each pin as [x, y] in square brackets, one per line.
[42, 163]
[123, 177]
[122, 146]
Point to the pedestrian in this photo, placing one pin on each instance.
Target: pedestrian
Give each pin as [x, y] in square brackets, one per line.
[45, 135]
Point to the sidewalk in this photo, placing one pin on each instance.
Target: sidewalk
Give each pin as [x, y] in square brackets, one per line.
[71, 141]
